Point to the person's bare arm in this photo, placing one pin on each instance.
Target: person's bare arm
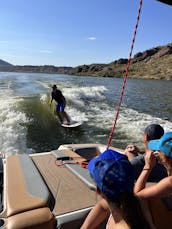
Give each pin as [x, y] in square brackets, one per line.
[97, 215]
[162, 188]
[51, 99]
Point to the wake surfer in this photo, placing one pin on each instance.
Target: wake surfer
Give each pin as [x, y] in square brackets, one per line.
[57, 95]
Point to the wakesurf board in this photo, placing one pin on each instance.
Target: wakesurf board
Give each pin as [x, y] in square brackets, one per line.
[72, 124]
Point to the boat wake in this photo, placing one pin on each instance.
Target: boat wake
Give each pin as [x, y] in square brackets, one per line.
[28, 124]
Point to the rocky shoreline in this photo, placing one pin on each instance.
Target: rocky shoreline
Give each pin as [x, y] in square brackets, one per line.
[154, 63]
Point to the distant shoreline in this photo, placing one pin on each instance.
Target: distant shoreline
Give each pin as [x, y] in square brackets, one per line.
[154, 63]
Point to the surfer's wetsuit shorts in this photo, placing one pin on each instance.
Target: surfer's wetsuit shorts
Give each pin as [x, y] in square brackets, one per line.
[60, 107]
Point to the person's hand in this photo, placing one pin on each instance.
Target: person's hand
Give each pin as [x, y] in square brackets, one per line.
[130, 148]
[150, 159]
[131, 151]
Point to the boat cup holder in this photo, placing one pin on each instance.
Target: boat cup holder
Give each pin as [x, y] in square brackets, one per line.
[1, 223]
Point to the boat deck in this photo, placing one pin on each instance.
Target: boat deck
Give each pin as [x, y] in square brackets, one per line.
[69, 191]
[59, 196]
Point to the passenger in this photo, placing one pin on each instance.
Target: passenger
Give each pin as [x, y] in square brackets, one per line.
[57, 95]
[152, 131]
[101, 211]
[161, 149]
[114, 178]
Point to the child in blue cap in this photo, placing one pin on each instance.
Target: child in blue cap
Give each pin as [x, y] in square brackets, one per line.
[114, 177]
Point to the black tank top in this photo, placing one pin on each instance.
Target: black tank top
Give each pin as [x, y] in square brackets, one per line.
[57, 96]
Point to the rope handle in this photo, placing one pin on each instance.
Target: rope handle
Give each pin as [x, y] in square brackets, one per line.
[61, 161]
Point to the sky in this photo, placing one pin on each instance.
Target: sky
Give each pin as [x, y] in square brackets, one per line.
[77, 32]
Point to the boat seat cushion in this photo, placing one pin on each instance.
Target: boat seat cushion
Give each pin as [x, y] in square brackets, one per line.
[41, 218]
[25, 187]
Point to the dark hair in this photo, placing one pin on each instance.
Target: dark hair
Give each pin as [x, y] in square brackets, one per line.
[54, 86]
[132, 212]
[154, 131]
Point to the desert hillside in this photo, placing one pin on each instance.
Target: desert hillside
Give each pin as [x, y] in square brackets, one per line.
[155, 63]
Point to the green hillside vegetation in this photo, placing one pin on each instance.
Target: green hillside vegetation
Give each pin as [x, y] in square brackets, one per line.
[155, 63]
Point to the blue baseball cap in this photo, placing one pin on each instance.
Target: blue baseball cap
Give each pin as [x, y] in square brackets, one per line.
[113, 173]
[164, 144]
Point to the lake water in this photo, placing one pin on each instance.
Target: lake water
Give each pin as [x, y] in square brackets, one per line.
[27, 124]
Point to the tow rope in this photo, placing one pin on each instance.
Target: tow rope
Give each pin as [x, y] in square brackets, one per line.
[125, 76]
[61, 161]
